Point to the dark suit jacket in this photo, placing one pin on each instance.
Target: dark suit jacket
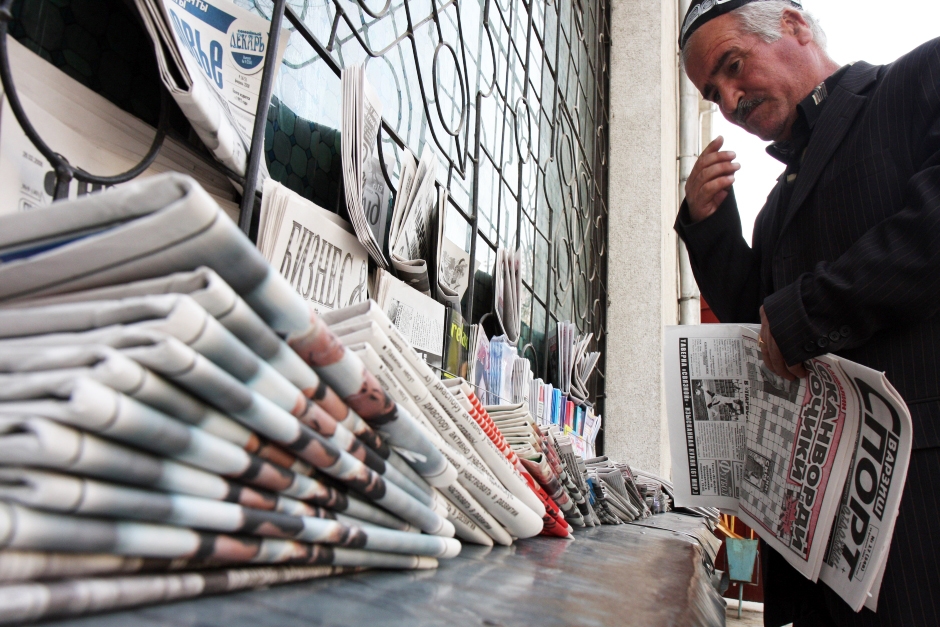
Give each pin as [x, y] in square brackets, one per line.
[858, 275]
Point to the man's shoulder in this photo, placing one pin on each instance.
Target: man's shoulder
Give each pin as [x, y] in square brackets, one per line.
[925, 58]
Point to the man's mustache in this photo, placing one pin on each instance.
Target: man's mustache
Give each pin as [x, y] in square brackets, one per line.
[744, 108]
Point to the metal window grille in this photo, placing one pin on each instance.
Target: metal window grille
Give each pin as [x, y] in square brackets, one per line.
[512, 96]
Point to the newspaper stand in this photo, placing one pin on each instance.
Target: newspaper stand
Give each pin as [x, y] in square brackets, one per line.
[742, 558]
[656, 563]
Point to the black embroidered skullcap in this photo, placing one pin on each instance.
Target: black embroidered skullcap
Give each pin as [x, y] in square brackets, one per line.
[701, 11]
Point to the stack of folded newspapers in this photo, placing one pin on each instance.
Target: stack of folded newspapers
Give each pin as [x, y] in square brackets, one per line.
[553, 521]
[169, 403]
[614, 486]
[384, 376]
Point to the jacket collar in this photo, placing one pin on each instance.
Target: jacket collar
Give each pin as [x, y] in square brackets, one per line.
[835, 120]
[808, 112]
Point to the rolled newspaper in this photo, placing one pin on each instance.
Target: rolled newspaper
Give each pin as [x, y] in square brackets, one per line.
[108, 366]
[214, 295]
[91, 406]
[27, 602]
[181, 317]
[73, 495]
[29, 529]
[42, 443]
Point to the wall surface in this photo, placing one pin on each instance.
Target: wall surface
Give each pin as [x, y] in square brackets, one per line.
[642, 198]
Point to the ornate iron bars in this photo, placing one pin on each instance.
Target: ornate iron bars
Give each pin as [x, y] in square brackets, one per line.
[512, 95]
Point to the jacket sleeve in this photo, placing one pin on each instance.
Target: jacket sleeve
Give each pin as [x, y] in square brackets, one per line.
[891, 275]
[726, 268]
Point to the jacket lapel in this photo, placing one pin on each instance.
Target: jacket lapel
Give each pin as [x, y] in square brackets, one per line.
[834, 122]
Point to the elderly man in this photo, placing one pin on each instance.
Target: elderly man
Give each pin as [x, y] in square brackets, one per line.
[846, 251]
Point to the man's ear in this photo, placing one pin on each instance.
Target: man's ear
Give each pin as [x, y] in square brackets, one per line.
[793, 23]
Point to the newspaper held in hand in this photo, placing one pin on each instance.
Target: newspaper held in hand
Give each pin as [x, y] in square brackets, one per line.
[313, 249]
[864, 524]
[364, 184]
[508, 292]
[211, 59]
[815, 466]
[416, 208]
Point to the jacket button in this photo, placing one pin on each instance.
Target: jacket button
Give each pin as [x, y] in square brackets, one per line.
[809, 347]
[834, 336]
[822, 342]
[844, 331]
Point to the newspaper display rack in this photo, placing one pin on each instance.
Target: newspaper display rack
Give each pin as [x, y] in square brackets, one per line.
[172, 407]
[176, 420]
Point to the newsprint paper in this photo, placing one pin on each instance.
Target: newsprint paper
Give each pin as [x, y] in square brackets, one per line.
[211, 58]
[312, 248]
[815, 466]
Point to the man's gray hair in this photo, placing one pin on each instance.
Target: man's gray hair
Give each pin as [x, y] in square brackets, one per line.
[764, 20]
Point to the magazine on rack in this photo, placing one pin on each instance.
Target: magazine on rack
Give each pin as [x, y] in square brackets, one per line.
[211, 58]
[815, 466]
[448, 260]
[575, 363]
[366, 191]
[417, 206]
[508, 292]
[314, 249]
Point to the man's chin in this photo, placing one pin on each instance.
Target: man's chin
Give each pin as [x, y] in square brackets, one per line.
[768, 132]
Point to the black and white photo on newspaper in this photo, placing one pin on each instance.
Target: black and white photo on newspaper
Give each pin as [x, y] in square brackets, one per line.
[815, 466]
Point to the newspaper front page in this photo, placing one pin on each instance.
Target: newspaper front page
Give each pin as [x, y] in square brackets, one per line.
[211, 58]
[817, 464]
[864, 524]
[313, 249]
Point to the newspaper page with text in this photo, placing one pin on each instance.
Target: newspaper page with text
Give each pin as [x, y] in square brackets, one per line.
[708, 392]
[211, 58]
[794, 465]
[864, 524]
[818, 467]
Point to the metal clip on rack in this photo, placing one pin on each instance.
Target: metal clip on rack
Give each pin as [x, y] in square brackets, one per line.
[65, 171]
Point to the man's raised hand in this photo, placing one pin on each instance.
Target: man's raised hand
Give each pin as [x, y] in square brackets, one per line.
[712, 175]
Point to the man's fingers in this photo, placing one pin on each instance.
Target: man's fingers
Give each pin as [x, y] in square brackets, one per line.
[722, 168]
[774, 360]
[711, 188]
[706, 161]
[714, 145]
[798, 370]
[709, 158]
